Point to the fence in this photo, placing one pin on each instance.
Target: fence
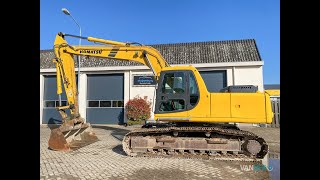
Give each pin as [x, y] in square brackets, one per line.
[275, 101]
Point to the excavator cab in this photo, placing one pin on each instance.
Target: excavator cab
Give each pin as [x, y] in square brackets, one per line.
[178, 92]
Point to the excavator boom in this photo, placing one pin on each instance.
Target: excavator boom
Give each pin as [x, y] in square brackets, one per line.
[145, 55]
[74, 132]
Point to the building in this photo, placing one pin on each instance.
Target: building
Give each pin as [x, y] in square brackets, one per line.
[106, 85]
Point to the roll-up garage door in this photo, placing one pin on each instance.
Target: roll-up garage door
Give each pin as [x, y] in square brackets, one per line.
[51, 101]
[105, 99]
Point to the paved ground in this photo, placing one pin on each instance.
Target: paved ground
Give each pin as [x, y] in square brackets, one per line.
[271, 135]
[106, 160]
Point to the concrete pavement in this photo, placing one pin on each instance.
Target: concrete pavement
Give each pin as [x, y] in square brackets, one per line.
[106, 160]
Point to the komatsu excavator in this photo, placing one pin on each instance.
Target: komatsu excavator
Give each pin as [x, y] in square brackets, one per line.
[189, 121]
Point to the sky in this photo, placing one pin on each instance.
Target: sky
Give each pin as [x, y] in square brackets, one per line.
[169, 21]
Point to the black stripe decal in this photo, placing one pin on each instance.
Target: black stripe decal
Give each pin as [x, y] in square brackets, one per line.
[113, 52]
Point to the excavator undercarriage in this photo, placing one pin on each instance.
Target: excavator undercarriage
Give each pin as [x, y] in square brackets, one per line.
[209, 141]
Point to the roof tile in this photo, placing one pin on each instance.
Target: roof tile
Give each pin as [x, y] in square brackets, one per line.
[178, 53]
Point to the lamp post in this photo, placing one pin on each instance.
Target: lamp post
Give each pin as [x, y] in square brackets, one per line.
[66, 12]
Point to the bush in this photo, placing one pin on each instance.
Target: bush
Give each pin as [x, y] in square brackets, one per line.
[131, 122]
[138, 109]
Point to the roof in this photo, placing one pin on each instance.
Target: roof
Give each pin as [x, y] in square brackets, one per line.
[271, 86]
[179, 53]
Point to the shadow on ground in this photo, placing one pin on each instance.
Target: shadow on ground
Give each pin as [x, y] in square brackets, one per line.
[119, 150]
[117, 133]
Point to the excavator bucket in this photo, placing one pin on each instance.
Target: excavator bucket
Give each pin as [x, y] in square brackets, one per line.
[67, 138]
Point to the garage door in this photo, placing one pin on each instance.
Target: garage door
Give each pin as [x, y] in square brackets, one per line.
[51, 101]
[214, 80]
[105, 99]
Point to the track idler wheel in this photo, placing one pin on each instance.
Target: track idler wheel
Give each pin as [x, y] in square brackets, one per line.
[255, 147]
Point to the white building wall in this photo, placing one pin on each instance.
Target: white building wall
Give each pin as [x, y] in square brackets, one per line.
[83, 96]
[126, 96]
[229, 76]
[249, 76]
[41, 96]
[142, 91]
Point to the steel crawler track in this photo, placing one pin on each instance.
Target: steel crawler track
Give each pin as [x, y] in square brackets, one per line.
[229, 133]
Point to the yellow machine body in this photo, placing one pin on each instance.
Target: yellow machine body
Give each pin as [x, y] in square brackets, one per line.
[207, 107]
[223, 107]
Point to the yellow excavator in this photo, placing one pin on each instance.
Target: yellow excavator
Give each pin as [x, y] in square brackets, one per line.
[189, 121]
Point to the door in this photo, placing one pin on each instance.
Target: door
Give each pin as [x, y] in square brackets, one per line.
[51, 101]
[176, 94]
[105, 99]
[171, 93]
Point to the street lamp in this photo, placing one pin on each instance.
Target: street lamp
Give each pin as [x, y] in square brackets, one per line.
[66, 12]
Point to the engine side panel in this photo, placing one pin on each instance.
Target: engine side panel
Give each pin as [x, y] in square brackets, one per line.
[220, 105]
[248, 105]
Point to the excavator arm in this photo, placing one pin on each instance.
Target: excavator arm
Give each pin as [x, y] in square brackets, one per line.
[111, 49]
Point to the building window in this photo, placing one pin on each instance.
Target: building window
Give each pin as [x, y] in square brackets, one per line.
[54, 104]
[49, 104]
[105, 104]
[93, 103]
[120, 104]
[63, 103]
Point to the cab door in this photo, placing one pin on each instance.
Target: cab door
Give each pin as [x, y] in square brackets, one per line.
[172, 96]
